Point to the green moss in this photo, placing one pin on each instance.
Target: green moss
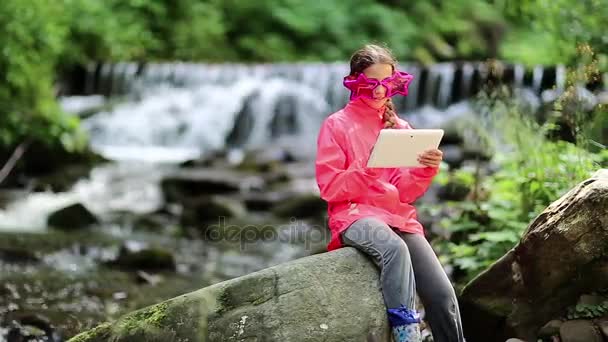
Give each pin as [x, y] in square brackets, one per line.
[143, 320]
[99, 333]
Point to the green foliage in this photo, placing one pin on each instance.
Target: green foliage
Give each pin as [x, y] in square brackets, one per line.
[42, 37]
[32, 40]
[587, 311]
[554, 27]
[534, 170]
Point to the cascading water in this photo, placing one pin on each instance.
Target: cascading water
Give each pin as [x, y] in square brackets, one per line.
[173, 112]
[178, 111]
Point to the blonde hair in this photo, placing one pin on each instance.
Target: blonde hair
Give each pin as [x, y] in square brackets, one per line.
[371, 54]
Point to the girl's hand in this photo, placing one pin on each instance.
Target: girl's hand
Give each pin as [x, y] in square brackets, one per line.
[432, 158]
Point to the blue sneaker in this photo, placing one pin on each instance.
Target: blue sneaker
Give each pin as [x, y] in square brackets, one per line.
[405, 324]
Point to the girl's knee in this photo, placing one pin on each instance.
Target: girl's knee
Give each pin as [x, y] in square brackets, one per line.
[444, 297]
[396, 248]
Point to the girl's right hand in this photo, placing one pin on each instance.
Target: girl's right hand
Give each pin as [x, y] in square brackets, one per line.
[432, 157]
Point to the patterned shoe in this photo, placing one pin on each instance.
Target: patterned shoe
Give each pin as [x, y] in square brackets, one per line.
[405, 324]
[407, 333]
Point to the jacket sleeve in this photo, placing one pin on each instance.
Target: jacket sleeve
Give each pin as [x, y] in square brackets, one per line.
[413, 182]
[337, 181]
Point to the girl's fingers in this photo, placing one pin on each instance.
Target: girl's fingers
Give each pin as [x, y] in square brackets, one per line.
[429, 153]
[430, 164]
[430, 160]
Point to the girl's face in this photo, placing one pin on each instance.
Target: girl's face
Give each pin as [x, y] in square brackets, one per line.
[378, 71]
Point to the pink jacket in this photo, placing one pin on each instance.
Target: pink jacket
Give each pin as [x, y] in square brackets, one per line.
[352, 190]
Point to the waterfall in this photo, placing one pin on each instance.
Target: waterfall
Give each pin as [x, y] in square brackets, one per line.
[537, 78]
[176, 111]
[519, 76]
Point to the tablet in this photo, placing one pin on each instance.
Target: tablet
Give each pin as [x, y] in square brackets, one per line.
[400, 147]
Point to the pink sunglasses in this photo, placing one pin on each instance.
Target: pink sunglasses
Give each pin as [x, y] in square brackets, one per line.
[361, 86]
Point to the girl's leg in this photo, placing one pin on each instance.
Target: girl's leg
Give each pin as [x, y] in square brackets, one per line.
[388, 251]
[435, 290]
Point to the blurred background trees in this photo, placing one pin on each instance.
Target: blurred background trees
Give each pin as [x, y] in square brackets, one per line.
[42, 38]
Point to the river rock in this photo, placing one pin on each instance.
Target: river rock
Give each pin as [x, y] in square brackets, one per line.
[331, 297]
[550, 329]
[72, 217]
[269, 158]
[301, 206]
[602, 324]
[580, 330]
[211, 209]
[263, 201]
[19, 254]
[32, 327]
[560, 256]
[589, 299]
[194, 182]
[135, 256]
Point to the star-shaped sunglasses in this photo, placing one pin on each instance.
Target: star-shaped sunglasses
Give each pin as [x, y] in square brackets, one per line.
[361, 86]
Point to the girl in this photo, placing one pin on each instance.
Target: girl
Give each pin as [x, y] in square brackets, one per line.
[371, 208]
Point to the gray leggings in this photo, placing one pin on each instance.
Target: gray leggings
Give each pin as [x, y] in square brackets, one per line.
[408, 263]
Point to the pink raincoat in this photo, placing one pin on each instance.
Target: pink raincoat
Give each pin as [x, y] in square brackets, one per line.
[352, 190]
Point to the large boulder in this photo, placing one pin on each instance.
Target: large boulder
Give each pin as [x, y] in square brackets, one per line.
[328, 297]
[561, 255]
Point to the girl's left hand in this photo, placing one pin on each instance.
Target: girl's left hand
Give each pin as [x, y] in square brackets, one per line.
[432, 158]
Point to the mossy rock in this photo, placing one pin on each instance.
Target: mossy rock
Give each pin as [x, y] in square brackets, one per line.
[328, 297]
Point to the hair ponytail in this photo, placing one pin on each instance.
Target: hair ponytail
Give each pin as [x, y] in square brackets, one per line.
[390, 115]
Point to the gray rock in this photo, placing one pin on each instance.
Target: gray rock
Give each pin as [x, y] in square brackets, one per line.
[269, 158]
[301, 206]
[194, 182]
[550, 329]
[580, 331]
[330, 297]
[134, 256]
[601, 173]
[514, 340]
[541, 276]
[588, 299]
[602, 324]
[207, 209]
[263, 201]
[72, 217]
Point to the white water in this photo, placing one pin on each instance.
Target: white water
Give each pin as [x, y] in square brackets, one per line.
[176, 124]
[176, 112]
[112, 187]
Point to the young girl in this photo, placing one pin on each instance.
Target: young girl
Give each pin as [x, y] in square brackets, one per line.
[371, 208]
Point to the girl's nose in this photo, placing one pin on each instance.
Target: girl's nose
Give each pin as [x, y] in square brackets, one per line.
[379, 92]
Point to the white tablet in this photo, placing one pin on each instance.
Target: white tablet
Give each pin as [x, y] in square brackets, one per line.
[400, 147]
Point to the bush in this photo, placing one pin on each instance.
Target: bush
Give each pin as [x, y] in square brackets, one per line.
[534, 170]
[32, 40]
